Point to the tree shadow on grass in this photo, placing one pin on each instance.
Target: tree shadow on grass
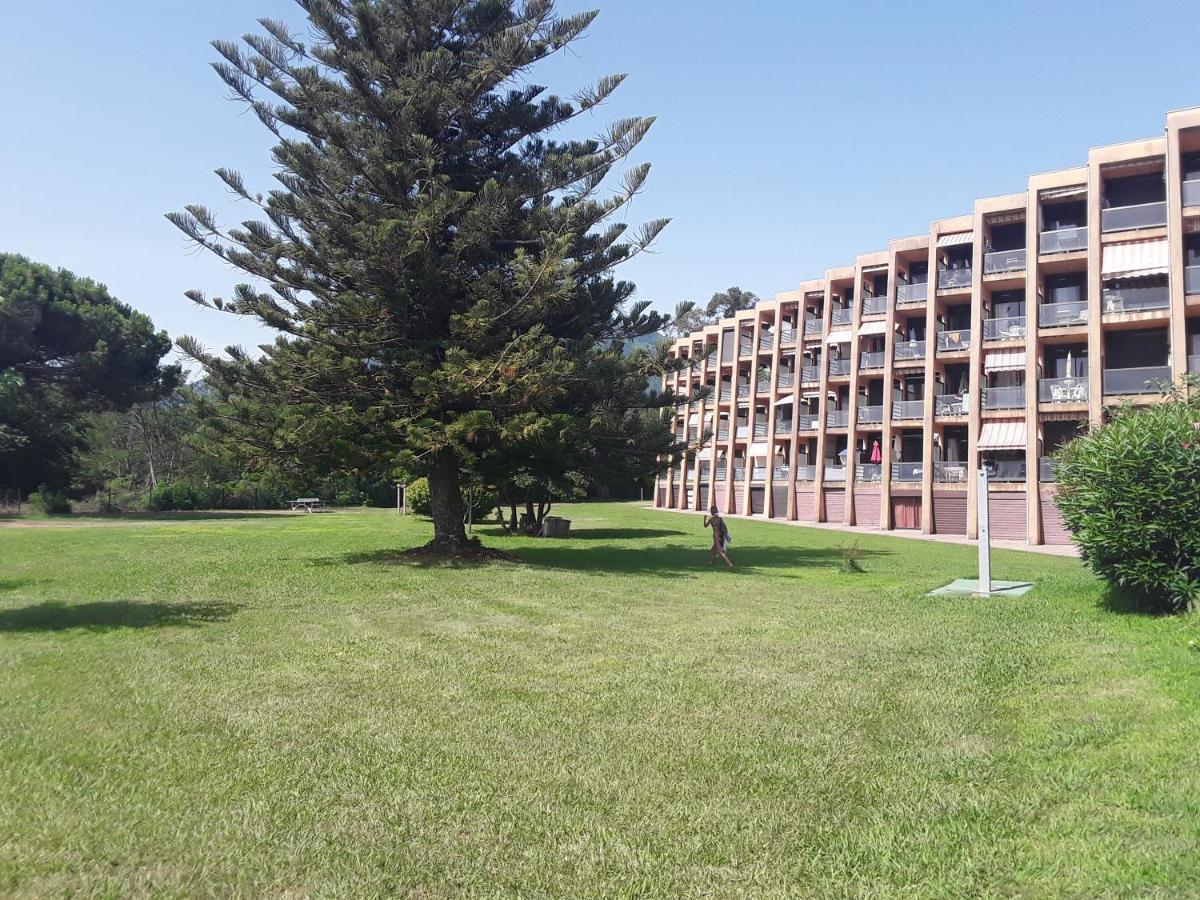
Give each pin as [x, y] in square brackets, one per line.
[400, 558]
[1130, 603]
[111, 614]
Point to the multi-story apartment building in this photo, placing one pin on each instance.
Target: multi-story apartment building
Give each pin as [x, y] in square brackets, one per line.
[872, 396]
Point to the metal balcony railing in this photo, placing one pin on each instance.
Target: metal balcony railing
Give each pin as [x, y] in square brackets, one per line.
[745, 346]
[721, 474]
[739, 473]
[949, 279]
[1191, 280]
[1063, 240]
[1008, 328]
[1140, 215]
[1004, 261]
[780, 473]
[783, 426]
[786, 378]
[723, 433]
[1005, 469]
[1063, 390]
[917, 292]
[908, 409]
[870, 415]
[953, 339]
[692, 433]
[1136, 299]
[758, 473]
[765, 341]
[872, 359]
[868, 473]
[787, 337]
[842, 316]
[760, 429]
[763, 387]
[1194, 364]
[808, 422]
[839, 366]
[1047, 470]
[743, 390]
[837, 418]
[813, 324]
[1004, 397]
[726, 392]
[875, 306]
[951, 404]
[1142, 380]
[806, 473]
[1058, 315]
[907, 471]
[1191, 192]
[810, 373]
[910, 350]
[834, 471]
[950, 472]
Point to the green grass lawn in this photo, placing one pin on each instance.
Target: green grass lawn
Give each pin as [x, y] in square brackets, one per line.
[271, 705]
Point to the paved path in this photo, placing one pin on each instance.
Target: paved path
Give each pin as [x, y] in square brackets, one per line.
[1046, 549]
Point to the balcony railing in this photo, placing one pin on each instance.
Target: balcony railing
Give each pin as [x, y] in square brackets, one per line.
[1004, 261]
[839, 367]
[1191, 280]
[1058, 315]
[742, 432]
[872, 360]
[1047, 470]
[763, 387]
[1194, 364]
[1135, 299]
[950, 472]
[806, 473]
[727, 353]
[908, 409]
[842, 316]
[870, 415]
[874, 306]
[1008, 328]
[951, 404]
[834, 471]
[739, 473]
[787, 337]
[1004, 397]
[1191, 192]
[786, 378]
[1063, 390]
[783, 426]
[868, 473]
[917, 292]
[954, 278]
[765, 341]
[1143, 380]
[907, 471]
[760, 429]
[813, 324]
[692, 433]
[810, 373]
[1141, 215]
[758, 473]
[910, 350]
[1063, 240]
[1005, 469]
[745, 346]
[723, 433]
[721, 474]
[779, 473]
[953, 339]
[837, 418]
[808, 422]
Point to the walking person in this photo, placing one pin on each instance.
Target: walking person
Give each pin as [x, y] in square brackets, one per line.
[720, 544]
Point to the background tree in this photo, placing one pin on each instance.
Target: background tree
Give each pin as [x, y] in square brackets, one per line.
[438, 264]
[691, 317]
[67, 349]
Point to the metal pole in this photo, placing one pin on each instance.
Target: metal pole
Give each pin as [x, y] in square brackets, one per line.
[470, 508]
[985, 549]
[398, 501]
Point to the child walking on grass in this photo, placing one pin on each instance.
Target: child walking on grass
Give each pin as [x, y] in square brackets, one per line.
[720, 545]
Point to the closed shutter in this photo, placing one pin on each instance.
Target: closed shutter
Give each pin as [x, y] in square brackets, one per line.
[835, 506]
[738, 501]
[661, 500]
[779, 502]
[1054, 529]
[866, 507]
[806, 505]
[949, 513]
[704, 497]
[758, 501]
[1006, 514]
[719, 499]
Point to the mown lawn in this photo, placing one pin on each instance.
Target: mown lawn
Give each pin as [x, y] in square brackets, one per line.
[271, 705]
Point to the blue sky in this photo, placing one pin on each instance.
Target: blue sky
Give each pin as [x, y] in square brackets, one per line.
[790, 136]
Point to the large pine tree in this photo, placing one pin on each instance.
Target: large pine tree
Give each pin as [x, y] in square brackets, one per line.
[438, 262]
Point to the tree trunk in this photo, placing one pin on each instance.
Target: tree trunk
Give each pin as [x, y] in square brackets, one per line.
[447, 508]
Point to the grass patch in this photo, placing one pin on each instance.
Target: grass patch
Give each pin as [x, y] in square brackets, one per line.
[275, 704]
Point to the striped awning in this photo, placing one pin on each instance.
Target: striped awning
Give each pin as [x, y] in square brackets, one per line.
[952, 240]
[1004, 361]
[1007, 434]
[1007, 218]
[879, 326]
[758, 449]
[838, 337]
[784, 401]
[882, 267]
[1135, 258]
[1064, 193]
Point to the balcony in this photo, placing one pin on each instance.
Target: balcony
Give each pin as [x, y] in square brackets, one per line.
[787, 337]
[779, 473]
[783, 426]
[1136, 299]
[763, 387]
[874, 306]
[721, 474]
[742, 432]
[868, 473]
[760, 429]
[1004, 397]
[1005, 469]
[745, 346]
[1009, 328]
[1063, 390]
[723, 433]
[813, 324]
[907, 472]
[765, 341]
[951, 340]
[870, 415]
[786, 379]
[743, 390]
[1004, 261]
[1047, 470]
[868, 360]
[692, 433]
[810, 374]
[808, 422]
[1060, 315]
[912, 293]
[1191, 280]
[837, 418]
[1191, 192]
[1063, 240]
[1194, 364]
[954, 279]
[839, 367]
[1126, 218]
[908, 409]
[758, 473]
[1143, 380]
[951, 405]
[950, 472]
[739, 473]
[727, 353]
[910, 350]
[842, 316]
[806, 473]
[834, 471]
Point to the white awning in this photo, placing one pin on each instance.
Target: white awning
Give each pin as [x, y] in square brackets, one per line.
[1004, 361]
[783, 401]
[839, 337]
[693, 419]
[951, 240]
[882, 267]
[1007, 434]
[1064, 193]
[879, 326]
[811, 395]
[1135, 258]
[758, 449]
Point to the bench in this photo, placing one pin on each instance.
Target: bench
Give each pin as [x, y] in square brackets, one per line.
[308, 504]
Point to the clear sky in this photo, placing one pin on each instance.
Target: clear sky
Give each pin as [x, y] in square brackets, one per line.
[790, 136]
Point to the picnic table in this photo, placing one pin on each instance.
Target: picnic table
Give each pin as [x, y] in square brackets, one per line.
[308, 504]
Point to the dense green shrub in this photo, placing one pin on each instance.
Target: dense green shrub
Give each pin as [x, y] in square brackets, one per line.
[483, 501]
[50, 502]
[1130, 493]
[181, 495]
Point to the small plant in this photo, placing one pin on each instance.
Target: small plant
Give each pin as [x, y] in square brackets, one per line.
[50, 502]
[850, 555]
